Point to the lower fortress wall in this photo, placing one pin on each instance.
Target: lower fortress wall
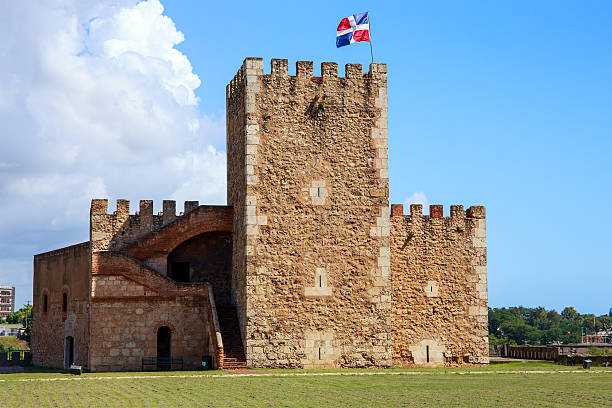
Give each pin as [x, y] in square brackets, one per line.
[439, 302]
[64, 271]
[129, 304]
[123, 332]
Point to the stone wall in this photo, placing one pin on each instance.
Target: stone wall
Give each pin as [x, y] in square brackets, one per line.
[530, 352]
[307, 175]
[57, 272]
[116, 230]
[237, 101]
[439, 303]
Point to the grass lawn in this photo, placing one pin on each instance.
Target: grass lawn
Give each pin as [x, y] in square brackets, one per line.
[516, 385]
[14, 342]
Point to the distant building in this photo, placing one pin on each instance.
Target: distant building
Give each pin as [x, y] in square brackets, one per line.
[10, 329]
[7, 301]
[610, 312]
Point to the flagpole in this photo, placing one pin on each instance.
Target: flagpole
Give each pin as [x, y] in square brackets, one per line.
[370, 34]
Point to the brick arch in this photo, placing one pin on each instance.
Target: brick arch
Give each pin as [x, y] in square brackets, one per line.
[203, 219]
[162, 323]
[174, 336]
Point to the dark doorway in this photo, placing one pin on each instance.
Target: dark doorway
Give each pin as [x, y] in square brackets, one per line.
[69, 352]
[164, 341]
[205, 258]
[179, 271]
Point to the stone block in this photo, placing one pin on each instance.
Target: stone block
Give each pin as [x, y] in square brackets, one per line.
[397, 210]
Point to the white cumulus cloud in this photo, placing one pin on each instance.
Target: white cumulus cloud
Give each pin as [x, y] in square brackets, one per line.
[418, 197]
[95, 101]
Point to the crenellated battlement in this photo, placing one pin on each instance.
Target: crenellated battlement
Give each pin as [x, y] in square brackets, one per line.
[100, 206]
[437, 211]
[111, 231]
[470, 222]
[304, 71]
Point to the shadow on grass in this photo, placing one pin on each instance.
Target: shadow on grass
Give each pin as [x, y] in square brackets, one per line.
[41, 369]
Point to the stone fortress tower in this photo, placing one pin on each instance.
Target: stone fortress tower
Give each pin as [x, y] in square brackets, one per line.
[310, 186]
[307, 266]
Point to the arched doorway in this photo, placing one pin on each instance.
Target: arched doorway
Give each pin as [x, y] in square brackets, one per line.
[205, 258]
[68, 352]
[164, 346]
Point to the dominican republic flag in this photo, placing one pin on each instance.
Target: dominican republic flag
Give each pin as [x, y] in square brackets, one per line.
[355, 28]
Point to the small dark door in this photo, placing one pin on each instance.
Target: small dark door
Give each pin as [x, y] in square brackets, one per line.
[164, 340]
[69, 352]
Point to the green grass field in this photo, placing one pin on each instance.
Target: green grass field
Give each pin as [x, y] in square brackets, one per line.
[517, 385]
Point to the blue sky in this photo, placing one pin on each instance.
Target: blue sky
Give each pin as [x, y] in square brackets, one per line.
[503, 105]
[506, 105]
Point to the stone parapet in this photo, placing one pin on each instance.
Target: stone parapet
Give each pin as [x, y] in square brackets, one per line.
[115, 231]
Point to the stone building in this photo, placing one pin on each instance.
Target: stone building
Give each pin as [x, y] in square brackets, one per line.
[307, 265]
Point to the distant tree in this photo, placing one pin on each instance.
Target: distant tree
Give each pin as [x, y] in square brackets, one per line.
[13, 318]
[605, 322]
[554, 318]
[20, 316]
[569, 313]
[540, 326]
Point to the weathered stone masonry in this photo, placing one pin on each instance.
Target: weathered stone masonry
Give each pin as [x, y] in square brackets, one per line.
[306, 267]
[119, 291]
[439, 300]
[57, 273]
[316, 225]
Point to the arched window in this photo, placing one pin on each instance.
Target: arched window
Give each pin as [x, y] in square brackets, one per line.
[64, 302]
[45, 303]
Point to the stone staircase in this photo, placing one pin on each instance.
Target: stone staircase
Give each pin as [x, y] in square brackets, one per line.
[233, 351]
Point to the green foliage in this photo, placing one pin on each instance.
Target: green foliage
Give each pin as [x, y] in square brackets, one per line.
[522, 325]
[20, 316]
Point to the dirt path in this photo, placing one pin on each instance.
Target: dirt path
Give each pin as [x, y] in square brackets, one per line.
[268, 374]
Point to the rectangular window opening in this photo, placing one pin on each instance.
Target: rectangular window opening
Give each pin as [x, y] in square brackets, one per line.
[427, 353]
[179, 271]
[319, 353]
